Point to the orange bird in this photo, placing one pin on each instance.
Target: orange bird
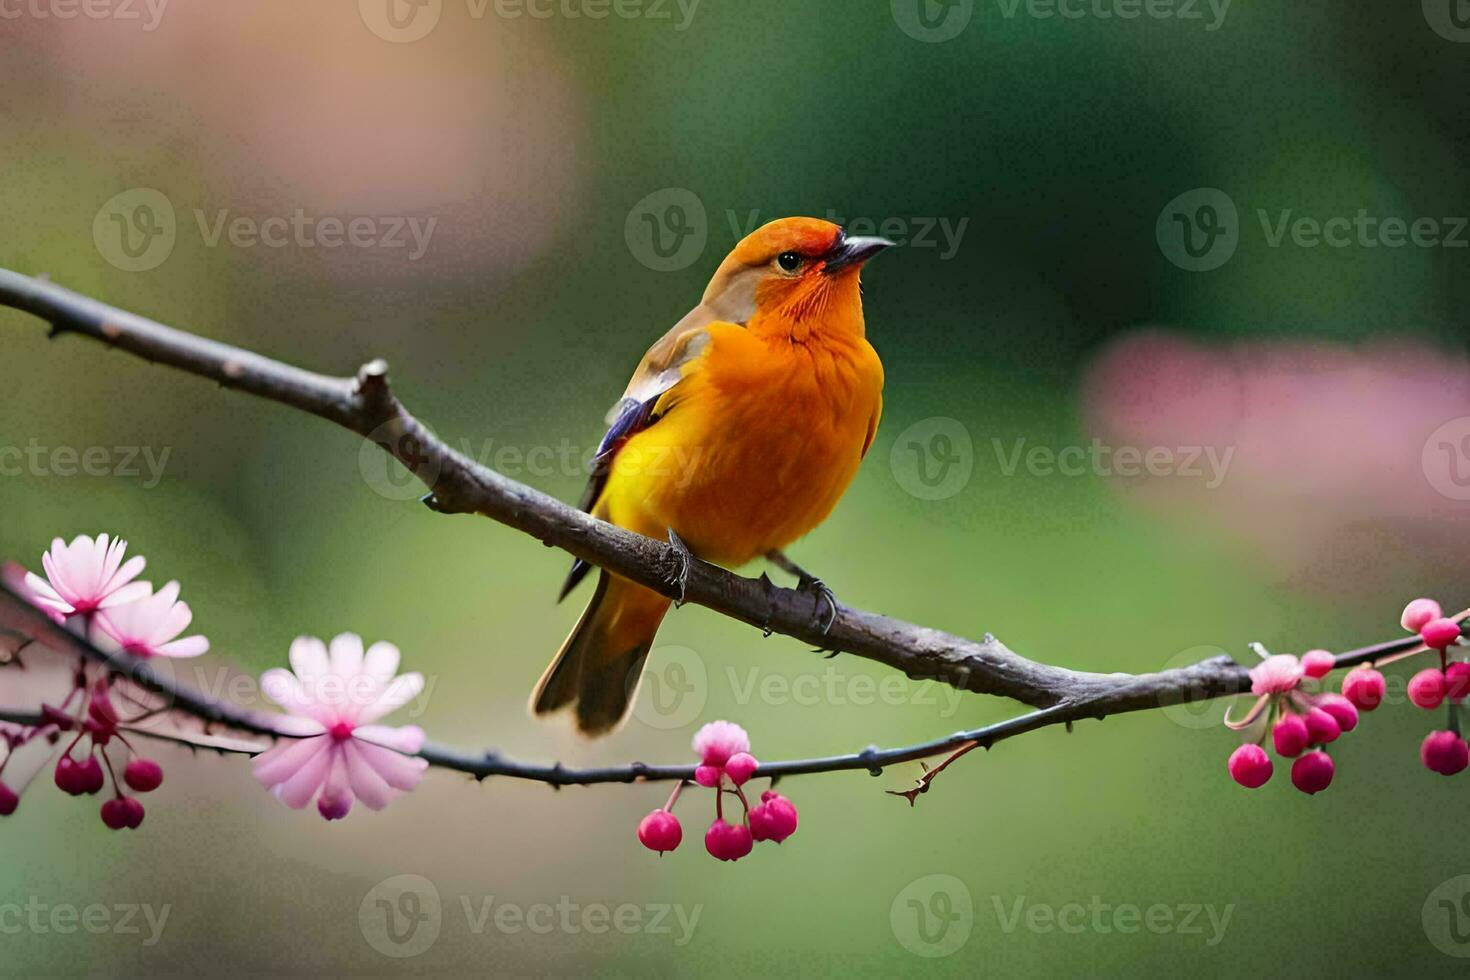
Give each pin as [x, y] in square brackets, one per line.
[739, 432]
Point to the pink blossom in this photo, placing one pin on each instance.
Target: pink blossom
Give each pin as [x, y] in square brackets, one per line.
[148, 626]
[1364, 687]
[1444, 752]
[1276, 674]
[1312, 773]
[719, 740]
[87, 575]
[335, 700]
[1318, 663]
[728, 842]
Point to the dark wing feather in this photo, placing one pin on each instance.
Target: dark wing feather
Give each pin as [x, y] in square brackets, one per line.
[660, 370]
[632, 416]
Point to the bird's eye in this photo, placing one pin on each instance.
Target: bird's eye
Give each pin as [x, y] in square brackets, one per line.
[789, 261]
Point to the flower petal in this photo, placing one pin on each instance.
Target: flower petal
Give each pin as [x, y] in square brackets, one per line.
[404, 689]
[130, 593]
[301, 786]
[189, 646]
[408, 739]
[381, 662]
[347, 655]
[284, 759]
[309, 660]
[402, 772]
[367, 783]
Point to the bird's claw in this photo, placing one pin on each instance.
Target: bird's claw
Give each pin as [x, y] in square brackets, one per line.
[820, 594]
[685, 559]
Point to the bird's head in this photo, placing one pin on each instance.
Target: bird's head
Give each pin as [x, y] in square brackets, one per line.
[794, 275]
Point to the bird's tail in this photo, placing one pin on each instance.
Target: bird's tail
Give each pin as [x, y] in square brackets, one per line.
[599, 666]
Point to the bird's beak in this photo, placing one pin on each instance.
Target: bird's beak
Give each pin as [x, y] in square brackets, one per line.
[853, 250]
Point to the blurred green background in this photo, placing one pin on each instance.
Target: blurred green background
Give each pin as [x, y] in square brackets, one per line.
[1048, 148]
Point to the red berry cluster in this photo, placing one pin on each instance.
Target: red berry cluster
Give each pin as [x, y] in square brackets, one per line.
[1445, 751]
[1302, 723]
[86, 764]
[725, 766]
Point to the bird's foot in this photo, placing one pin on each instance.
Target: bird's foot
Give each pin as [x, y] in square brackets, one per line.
[810, 584]
[820, 593]
[684, 559]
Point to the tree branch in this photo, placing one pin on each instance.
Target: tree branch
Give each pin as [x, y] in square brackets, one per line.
[366, 405]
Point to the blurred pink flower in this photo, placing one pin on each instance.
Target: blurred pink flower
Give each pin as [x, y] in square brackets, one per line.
[148, 626]
[87, 575]
[1338, 473]
[334, 700]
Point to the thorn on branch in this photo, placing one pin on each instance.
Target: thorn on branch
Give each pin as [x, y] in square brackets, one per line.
[372, 377]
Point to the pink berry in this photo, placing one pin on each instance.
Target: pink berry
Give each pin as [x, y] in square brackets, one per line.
[8, 800]
[69, 776]
[742, 766]
[91, 774]
[1439, 633]
[1312, 773]
[1318, 663]
[1322, 727]
[1419, 612]
[1427, 688]
[707, 775]
[1341, 710]
[1457, 681]
[774, 818]
[1445, 753]
[660, 831]
[728, 842]
[1364, 687]
[122, 812]
[1290, 736]
[143, 775]
[115, 814]
[1250, 766]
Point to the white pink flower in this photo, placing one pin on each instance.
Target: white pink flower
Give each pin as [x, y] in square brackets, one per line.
[1276, 674]
[334, 700]
[149, 625]
[87, 575]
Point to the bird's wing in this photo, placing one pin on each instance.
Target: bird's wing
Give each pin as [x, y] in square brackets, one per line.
[657, 374]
